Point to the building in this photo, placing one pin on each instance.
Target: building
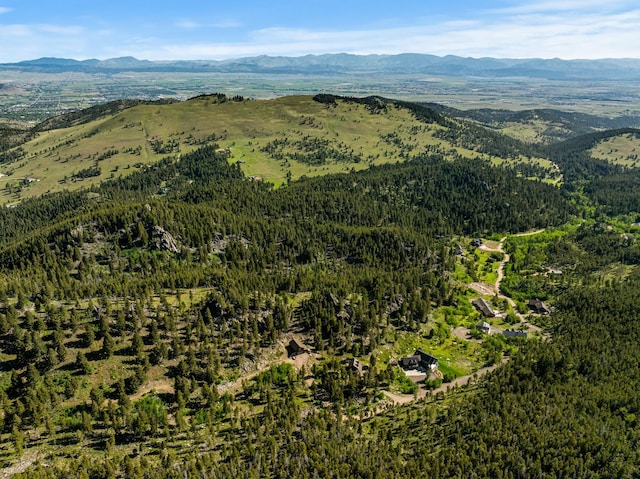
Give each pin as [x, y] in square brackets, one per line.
[538, 307]
[420, 360]
[410, 362]
[294, 348]
[484, 327]
[355, 365]
[484, 307]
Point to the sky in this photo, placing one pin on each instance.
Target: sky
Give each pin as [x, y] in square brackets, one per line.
[201, 30]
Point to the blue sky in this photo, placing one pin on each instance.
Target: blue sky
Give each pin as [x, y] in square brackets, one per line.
[163, 30]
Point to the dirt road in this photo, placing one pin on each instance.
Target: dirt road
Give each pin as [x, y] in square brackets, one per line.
[531, 327]
[487, 289]
[458, 382]
[484, 289]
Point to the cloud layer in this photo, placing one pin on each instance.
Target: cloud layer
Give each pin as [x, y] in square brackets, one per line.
[565, 29]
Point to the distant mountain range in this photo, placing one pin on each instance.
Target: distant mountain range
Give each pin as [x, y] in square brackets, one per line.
[342, 63]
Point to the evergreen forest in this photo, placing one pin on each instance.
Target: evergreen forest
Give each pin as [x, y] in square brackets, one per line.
[189, 319]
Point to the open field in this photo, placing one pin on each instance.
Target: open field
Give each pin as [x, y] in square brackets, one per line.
[622, 150]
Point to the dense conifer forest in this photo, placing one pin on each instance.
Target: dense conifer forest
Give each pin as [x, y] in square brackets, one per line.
[186, 320]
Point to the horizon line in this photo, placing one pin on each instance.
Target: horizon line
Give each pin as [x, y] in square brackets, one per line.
[315, 55]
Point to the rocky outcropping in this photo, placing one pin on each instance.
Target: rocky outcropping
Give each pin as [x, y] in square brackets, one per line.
[164, 240]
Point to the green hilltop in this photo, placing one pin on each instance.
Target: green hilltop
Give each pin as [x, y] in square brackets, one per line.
[273, 140]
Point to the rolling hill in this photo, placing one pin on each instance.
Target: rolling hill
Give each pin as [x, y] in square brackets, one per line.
[164, 313]
[273, 140]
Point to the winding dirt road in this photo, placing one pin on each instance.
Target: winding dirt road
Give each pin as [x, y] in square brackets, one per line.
[485, 289]
[496, 287]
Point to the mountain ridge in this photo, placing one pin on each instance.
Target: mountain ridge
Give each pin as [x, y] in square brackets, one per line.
[340, 63]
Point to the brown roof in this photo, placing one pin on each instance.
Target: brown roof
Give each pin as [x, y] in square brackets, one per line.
[484, 307]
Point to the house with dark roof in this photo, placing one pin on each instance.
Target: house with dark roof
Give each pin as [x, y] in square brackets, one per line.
[294, 348]
[484, 307]
[419, 360]
[410, 362]
[538, 307]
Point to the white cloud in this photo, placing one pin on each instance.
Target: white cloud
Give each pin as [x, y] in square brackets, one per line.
[192, 25]
[540, 35]
[8, 31]
[541, 29]
[188, 25]
[61, 30]
[545, 29]
[564, 6]
[5, 10]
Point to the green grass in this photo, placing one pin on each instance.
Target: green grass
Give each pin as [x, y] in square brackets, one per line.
[446, 369]
[457, 355]
[622, 150]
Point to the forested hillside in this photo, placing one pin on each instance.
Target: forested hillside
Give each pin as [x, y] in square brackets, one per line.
[190, 320]
[275, 141]
[555, 410]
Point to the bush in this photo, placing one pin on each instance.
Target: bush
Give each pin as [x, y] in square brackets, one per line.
[448, 376]
[405, 385]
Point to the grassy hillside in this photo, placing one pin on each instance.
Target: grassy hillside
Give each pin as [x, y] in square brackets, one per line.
[274, 140]
[542, 125]
[621, 150]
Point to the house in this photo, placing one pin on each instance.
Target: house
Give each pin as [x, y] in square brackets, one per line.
[355, 365]
[484, 307]
[476, 243]
[419, 360]
[426, 360]
[458, 251]
[514, 333]
[410, 362]
[294, 348]
[538, 306]
[484, 327]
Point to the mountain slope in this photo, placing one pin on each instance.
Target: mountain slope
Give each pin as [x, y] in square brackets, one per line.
[185, 320]
[273, 140]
